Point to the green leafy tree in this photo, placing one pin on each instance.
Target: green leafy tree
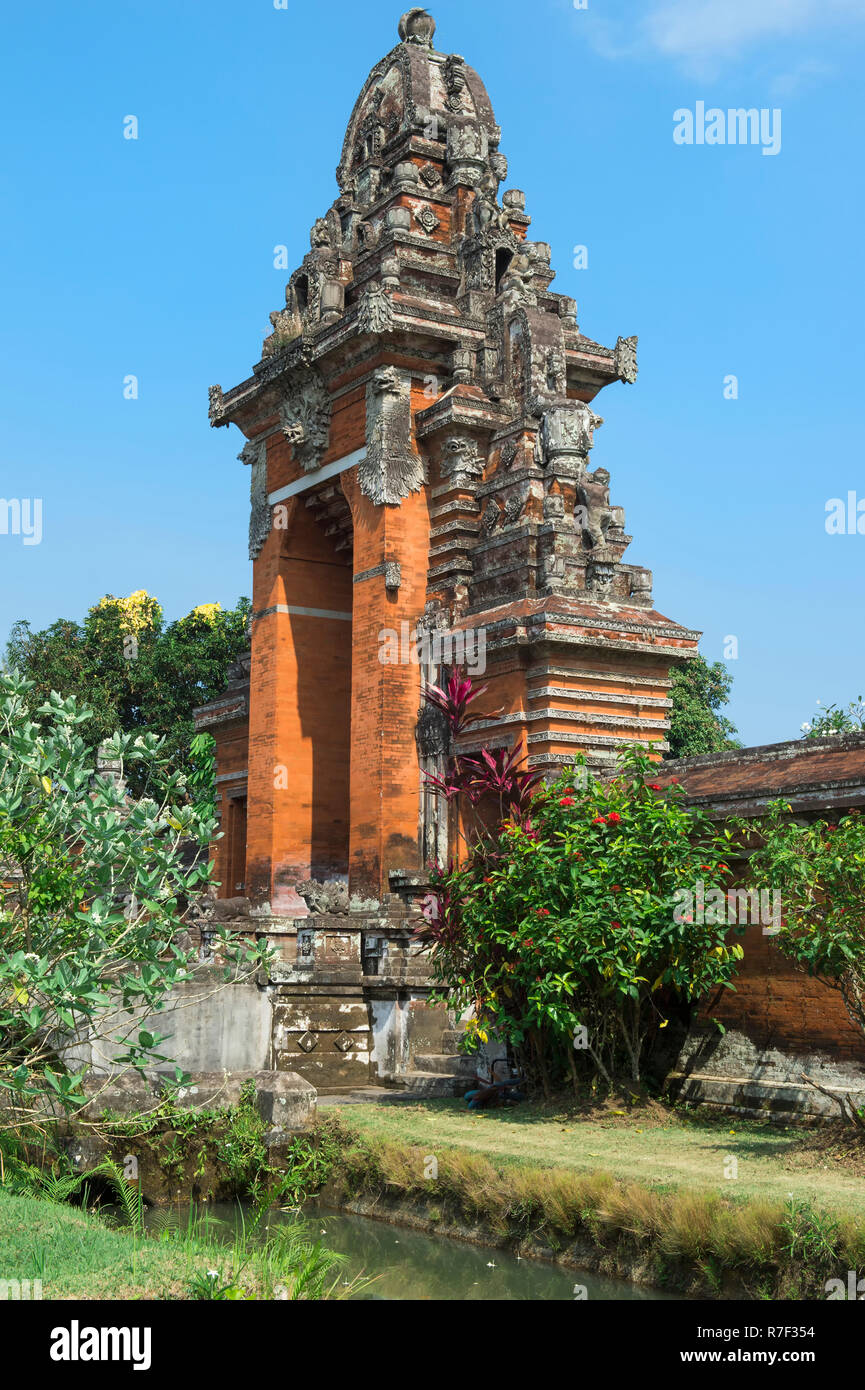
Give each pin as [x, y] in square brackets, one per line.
[819, 871]
[832, 720]
[94, 885]
[699, 692]
[135, 672]
[568, 934]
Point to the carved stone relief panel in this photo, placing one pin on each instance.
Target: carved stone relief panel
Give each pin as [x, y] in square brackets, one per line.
[304, 413]
[390, 469]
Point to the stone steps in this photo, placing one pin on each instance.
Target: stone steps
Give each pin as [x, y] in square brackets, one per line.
[759, 1099]
[431, 1083]
[454, 1064]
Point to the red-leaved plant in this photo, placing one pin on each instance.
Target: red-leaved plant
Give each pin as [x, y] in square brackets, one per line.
[493, 781]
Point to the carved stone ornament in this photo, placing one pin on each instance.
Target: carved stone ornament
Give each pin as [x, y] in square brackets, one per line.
[304, 414]
[467, 153]
[259, 512]
[216, 404]
[568, 429]
[556, 371]
[641, 584]
[599, 577]
[390, 469]
[375, 311]
[513, 509]
[508, 453]
[455, 82]
[426, 218]
[460, 459]
[595, 514]
[417, 26]
[432, 732]
[626, 360]
[431, 176]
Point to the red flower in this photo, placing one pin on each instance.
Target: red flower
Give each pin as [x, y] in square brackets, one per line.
[599, 820]
[654, 786]
[542, 912]
[566, 801]
[675, 781]
[487, 880]
[614, 818]
[617, 926]
[616, 888]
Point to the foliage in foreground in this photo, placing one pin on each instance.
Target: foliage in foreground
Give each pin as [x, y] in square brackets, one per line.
[90, 911]
[80, 1254]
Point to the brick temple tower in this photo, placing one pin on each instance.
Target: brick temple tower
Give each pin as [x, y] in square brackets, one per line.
[418, 434]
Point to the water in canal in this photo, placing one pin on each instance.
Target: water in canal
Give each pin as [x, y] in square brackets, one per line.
[406, 1264]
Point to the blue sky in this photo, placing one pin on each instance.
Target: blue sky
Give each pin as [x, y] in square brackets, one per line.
[154, 257]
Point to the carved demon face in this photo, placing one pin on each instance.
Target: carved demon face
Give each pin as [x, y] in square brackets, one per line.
[386, 382]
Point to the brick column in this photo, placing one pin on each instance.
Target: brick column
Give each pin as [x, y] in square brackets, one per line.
[299, 717]
[384, 697]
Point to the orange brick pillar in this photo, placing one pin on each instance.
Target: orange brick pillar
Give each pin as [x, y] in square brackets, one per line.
[300, 715]
[385, 698]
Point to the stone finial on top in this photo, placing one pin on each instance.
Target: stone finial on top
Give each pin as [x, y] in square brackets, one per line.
[417, 26]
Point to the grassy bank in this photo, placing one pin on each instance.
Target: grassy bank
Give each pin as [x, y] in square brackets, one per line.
[437, 1167]
[651, 1144]
[79, 1255]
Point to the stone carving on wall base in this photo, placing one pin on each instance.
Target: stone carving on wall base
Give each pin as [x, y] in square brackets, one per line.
[330, 896]
[390, 470]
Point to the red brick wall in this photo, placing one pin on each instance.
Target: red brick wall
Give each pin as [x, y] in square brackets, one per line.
[778, 1006]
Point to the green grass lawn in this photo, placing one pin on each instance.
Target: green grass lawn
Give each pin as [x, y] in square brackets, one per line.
[80, 1255]
[77, 1255]
[657, 1148]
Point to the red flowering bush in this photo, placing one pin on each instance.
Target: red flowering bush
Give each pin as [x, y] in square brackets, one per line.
[565, 925]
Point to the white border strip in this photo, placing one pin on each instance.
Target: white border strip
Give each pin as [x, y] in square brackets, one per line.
[330, 470]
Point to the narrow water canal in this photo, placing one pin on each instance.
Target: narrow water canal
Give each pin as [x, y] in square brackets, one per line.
[406, 1264]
